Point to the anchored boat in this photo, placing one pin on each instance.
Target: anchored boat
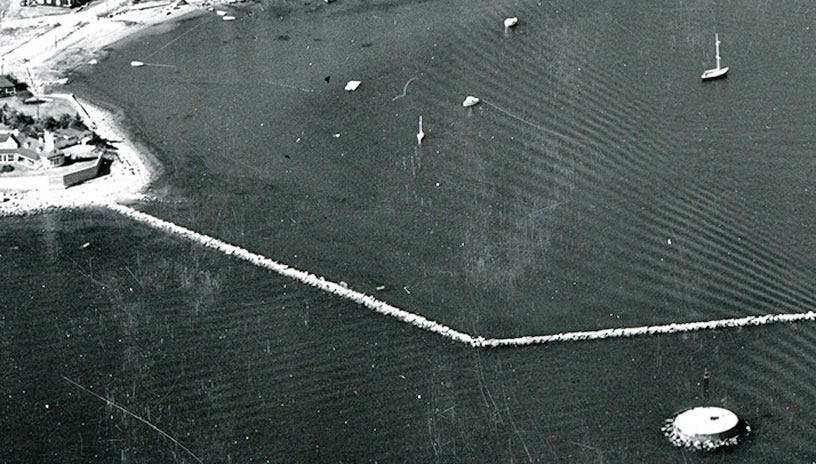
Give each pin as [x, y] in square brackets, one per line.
[719, 71]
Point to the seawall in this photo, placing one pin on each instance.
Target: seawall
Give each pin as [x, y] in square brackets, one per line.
[55, 179]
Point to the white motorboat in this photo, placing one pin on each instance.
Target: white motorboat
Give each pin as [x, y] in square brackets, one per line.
[470, 101]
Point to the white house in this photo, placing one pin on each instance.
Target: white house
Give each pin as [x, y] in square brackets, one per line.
[16, 148]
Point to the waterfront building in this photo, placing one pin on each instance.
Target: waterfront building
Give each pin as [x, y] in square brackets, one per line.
[7, 88]
[62, 3]
[19, 149]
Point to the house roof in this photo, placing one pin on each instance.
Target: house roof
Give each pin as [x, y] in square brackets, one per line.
[29, 147]
[4, 82]
[31, 143]
[71, 132]
[18, 140]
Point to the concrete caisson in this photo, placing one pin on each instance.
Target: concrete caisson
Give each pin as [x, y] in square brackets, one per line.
[705, 428]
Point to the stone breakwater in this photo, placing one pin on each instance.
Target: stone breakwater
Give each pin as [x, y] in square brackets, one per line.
[426, 324]
[301, 276]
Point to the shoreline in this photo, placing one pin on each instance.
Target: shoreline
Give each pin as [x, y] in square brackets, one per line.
[64, 43]
[128, 180]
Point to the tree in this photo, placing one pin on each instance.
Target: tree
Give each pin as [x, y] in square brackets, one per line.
[78, 122]
[50, 123]
[6, 113]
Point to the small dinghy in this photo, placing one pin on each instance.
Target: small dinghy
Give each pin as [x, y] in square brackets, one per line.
[228, 18]
[136, 64]
[35, 100]
[510, 22]
[352, 85]
[470, 101]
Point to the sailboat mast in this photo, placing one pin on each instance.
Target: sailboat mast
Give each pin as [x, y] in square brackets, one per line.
[717, 44]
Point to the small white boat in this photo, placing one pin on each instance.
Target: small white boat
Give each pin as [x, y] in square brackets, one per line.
[136, 64]
[220, 12]
[228, 18]
[470, 101]
[719, 71]
[35, 100]
[421, 133]
[510, 22]
[352, 85]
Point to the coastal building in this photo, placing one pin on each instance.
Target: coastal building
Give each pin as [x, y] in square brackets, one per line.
[7, 88]
[62, 3]
[65, 138]
[19, 149]
[27, 163]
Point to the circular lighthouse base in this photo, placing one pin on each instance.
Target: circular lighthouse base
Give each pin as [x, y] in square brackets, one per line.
[705, 428]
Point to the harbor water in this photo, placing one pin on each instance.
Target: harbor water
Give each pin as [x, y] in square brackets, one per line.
[599, 184]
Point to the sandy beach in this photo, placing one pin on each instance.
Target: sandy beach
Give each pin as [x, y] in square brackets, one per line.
[42, 50]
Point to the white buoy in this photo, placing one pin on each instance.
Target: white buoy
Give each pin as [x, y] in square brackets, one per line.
[470, 101]
[228, 18]
[420, 134]
[136, 64]
[352, 85]
[510, 22]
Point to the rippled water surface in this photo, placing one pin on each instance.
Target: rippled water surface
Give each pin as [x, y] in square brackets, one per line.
[599, 184]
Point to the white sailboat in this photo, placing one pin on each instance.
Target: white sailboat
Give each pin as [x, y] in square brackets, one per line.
[719, 71]
[421, 133]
